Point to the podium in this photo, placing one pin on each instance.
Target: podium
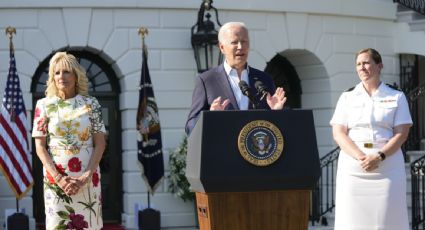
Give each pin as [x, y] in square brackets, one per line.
[236, 190]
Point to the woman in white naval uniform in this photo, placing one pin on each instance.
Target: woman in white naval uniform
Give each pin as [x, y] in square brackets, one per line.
[370, 123]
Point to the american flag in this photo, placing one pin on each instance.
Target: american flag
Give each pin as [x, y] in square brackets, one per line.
[14, 148]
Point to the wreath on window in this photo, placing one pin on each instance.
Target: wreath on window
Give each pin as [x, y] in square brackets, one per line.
[178, 183]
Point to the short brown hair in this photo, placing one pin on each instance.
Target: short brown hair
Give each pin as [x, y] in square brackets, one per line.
[373, 53]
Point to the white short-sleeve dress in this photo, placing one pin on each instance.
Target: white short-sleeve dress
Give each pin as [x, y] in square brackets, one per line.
[68, 126]
[371, 200]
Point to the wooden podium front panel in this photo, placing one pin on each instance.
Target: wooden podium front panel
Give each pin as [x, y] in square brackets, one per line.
[271, 210]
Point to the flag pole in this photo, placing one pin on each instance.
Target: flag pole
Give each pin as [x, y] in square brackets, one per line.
[149, 140]
[143, 31]
[9, 32]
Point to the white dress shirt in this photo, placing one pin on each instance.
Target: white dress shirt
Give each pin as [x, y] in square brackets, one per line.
[234, 80]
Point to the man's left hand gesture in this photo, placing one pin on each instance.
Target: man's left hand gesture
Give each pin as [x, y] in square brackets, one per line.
[277, 101]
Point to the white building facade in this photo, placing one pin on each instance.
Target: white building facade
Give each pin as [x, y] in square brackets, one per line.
[318, 37]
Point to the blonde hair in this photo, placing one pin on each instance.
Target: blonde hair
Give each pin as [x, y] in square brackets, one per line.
[70, 63]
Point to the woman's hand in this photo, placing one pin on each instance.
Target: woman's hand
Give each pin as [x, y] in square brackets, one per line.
[370, 162]
[84, 178]
[69, 185]
[72, 185]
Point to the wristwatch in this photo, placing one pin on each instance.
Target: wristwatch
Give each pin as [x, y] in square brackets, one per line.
[381, 155]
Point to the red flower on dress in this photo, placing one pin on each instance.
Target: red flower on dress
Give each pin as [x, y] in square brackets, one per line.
[77, 222]
[95, 179]
[60, 169]
[42, 125]
[37, 112]
[74, 164]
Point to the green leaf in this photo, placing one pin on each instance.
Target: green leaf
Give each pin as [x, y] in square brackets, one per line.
[178, 183]
[89, 206]
[66, 198]
[59, 192]
[70, 209]
[52, 108]
[63, 215]
[62, 103]
[60, 227]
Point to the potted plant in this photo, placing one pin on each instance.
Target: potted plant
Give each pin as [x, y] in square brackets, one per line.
[178, 183]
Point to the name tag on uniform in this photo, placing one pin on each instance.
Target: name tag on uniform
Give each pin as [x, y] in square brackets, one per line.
[387, 102]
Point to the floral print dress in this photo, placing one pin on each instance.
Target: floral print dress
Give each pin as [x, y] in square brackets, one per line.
[68, 126]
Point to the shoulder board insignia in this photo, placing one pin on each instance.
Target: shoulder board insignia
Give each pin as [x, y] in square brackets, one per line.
[350, 89]
[395, 87]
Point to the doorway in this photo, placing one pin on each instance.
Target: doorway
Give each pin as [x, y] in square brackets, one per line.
[284, 75]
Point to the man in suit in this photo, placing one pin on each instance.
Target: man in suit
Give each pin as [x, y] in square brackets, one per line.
[219, 88]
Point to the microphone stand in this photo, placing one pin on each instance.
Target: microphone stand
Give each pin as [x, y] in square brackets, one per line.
[246, 91]
[254, 105]
[252, 101]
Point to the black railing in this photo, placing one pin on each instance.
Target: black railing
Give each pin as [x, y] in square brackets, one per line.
[409, 81]
[416, 5]
[323, 195]
[417, 170]
[416, 99]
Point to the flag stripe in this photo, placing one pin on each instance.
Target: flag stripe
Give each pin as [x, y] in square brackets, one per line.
[18, 138]
[22, 129]
[17, 179]
[11, 162]
[14, 147]
[6, 171]
[6, 153]
[23, 138]
[14, 178]
[14, 165]
[11, 143]
[18, 184]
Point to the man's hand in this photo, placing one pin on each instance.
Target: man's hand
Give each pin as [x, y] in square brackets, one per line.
[219, 105]
[277, 101]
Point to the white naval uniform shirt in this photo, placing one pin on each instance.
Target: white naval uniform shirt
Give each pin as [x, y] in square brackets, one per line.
[371, 118]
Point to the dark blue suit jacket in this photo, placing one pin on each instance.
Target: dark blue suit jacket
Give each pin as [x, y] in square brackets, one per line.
[214, 83]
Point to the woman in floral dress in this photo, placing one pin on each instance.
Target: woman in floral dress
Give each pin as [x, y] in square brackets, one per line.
[69, 137]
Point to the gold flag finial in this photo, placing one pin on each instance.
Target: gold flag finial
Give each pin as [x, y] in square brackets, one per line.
[10, 31]
[143, 31]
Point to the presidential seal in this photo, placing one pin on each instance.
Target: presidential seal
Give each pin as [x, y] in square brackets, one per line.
[260, 142]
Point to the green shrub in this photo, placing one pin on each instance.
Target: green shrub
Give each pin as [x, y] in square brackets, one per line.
[178, 183]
